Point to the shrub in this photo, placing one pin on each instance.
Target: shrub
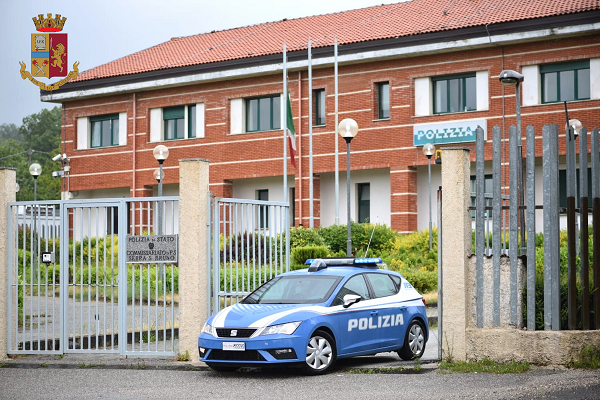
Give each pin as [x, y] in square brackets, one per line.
[380, 237]
[302, 237]
[301, 254]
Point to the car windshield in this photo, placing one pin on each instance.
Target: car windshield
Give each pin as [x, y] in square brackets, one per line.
[294, 290]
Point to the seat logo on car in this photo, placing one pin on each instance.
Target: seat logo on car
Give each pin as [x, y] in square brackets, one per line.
[384, 321]
[233, 332]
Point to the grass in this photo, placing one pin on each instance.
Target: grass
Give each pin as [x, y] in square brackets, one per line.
[484, 366]
[384, 370]
[84, 365]
[589, 358]
[3, 365]
[44, 365]
[183, 357]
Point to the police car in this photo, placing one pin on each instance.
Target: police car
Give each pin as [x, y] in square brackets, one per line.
[338, 307]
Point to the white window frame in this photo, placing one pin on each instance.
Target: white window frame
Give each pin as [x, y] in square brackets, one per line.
[157, 126]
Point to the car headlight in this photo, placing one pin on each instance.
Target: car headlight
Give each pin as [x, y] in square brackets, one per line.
[208, 329]
[283, 329]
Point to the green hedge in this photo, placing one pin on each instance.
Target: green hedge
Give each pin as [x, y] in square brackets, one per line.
[301, 254]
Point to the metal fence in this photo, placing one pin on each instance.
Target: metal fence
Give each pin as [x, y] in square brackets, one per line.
[85, 296]
[248, 243]
[581, 307]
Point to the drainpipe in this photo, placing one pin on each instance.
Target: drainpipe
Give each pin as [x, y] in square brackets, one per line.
[133, 144]
[300, 144]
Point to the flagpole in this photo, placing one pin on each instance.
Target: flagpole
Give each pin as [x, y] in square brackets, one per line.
[337, 169]
[310, 139]
[284, 102]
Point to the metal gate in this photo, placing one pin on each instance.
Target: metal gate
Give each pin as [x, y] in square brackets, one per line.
[249, 244]
[71, 289]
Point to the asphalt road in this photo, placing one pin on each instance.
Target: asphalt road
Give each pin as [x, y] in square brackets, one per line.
[135, 382]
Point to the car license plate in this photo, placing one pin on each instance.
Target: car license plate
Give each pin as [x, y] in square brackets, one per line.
[234, 346]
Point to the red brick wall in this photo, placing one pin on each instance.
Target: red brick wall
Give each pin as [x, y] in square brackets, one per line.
[379, 144]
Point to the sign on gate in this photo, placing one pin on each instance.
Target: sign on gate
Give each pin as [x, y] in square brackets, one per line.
[152, 249]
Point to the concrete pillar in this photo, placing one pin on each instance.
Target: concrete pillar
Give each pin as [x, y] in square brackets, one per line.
[8, 186]
[456, 245]
[193, 255]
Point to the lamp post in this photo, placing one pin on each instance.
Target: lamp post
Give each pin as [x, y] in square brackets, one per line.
[161, 153]
[429, 150]
[348, 129]
[35, 170]
[509, 77]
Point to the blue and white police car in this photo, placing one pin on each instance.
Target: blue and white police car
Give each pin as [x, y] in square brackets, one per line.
[338, 307]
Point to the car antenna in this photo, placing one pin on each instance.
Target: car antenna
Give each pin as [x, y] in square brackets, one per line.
[372, 232]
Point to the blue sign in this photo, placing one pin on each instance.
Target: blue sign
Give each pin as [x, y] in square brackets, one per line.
[448, 132]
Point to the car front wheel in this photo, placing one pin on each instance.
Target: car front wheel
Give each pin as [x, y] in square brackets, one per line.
[321, 354]
[414, 342]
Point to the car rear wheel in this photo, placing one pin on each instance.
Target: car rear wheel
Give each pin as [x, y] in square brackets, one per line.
[321, 354]
[414, 342]
[221, 367]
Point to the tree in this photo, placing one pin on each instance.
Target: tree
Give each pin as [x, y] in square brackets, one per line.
[40, 132]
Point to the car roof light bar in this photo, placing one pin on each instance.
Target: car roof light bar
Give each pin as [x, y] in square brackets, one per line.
[317, 264]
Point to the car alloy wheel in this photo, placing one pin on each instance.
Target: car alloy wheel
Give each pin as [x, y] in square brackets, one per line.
[414, 342]
[320, 353]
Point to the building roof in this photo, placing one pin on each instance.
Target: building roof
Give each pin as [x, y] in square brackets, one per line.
[362, 25]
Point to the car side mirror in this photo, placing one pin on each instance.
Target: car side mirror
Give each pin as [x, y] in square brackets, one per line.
[350, 299]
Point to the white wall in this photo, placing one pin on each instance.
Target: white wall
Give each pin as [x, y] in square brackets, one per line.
[246, 188]
[380, 196]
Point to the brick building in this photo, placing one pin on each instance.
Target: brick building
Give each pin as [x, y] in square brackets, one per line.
[406, 70]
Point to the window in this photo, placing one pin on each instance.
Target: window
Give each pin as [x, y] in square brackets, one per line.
[263, 214]
[177, 123]
[105, 130]
[565, 81]
[174, 122]
[562, 186]
[319, 106]
[383, 100]
[355, 285]
[454, 93]
[382, 285]
[263, 114]
[364, 202]
[487, 188]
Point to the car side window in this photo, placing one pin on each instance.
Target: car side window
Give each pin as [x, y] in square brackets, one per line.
[355, 285]
[397, 281]
[382, 285]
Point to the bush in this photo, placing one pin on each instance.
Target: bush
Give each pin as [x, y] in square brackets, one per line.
[301, 254]
[302, 237]
[377, 238]
[422, 279]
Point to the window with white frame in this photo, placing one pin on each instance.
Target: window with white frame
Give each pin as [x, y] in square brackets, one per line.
[456, 93]
[452, 93]
[565, 81]
[263, 113]
[100, 131]
[177, 122]
[256, 114]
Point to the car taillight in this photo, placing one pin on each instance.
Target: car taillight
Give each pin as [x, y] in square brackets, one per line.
[424, 302]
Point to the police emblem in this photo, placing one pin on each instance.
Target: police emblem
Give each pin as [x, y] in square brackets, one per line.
[49, 53]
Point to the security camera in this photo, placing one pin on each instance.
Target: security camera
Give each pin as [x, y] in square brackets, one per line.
[57, 174]
[57, 157]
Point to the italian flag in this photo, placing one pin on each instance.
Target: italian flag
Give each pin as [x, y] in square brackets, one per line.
[291, 132]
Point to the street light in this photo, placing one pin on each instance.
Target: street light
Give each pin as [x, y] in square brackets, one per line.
[35, 170]
[348, 129]
[509, 77]
[429, 150]
[161, 153]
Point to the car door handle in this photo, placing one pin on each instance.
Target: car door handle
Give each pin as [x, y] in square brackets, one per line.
[374, 312]
[402, 308]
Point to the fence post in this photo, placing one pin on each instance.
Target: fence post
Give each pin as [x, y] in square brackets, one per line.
[193, 254]
[8, 186]
[456, 246]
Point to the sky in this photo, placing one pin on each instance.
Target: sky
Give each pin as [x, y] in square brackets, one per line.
[105, 30]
